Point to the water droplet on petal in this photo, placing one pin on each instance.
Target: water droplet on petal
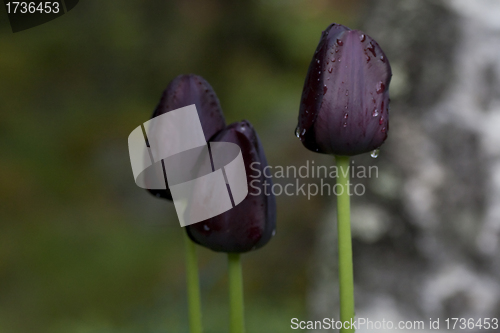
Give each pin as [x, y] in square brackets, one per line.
[380, 87]
[325, 88]
[345, 125]
[381, 121]
[375, 153]
[297, 132]
[346, 115]
[318, 61]
[375, 112]
[340, 42]
[382, 58]
[347, 92]
[383, 129]
[330, 69]
[206, 228]
[362, 37]
[368, 58]
[371, 48]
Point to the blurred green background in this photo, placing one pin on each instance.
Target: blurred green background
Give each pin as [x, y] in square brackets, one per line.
[82, 249]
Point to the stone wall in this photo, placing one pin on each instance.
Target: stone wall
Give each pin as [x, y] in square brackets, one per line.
[426, 234]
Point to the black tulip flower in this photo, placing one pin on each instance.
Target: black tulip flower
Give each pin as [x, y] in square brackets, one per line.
[344, 108]
[252, 223]
[186, 90]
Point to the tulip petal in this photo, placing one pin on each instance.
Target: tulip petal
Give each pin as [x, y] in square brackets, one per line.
[252, 223]
[345, 102]
[186, 90]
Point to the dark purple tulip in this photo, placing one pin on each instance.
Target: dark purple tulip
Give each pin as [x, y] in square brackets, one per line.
[252, 223]
[190, 89]
[344, 108]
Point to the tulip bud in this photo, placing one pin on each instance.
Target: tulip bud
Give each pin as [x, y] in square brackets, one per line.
[252, 223]
[186, 90]
[344, 108]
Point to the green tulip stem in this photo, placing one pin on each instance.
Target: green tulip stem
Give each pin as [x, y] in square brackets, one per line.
[193, 286]
[346, 280]
[236, 309]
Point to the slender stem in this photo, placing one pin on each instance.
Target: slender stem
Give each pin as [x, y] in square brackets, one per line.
[193, 287]
[346, 280]
[236, 309]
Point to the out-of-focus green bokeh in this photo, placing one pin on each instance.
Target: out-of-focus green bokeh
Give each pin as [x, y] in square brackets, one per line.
[82, 249]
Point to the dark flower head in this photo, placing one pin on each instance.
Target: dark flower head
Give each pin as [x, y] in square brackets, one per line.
[252, 223]
[186, 90]
[344, 108]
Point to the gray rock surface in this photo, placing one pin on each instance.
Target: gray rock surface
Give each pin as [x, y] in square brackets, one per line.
[426, 234]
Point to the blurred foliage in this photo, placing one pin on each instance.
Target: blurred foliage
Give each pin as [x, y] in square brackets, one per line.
[82, 249]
